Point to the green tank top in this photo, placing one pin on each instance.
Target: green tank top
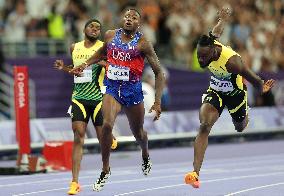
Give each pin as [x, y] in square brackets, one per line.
[88, 86]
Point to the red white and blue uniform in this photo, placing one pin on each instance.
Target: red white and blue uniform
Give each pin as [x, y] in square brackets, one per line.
[124, 70]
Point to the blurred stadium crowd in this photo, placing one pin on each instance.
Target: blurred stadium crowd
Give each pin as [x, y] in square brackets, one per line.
[32, 28]
[256, 28]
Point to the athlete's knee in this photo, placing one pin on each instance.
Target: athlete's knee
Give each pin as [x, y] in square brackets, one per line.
[205, 128]
[140, 135]
[78, 138]
[107, 127]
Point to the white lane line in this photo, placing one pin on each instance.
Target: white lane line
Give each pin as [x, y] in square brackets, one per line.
[44, 191]
[205, 181]
[254, 188]
[206, 171]
[150, 189]
[176, 170]
[114, 182]
[212, 162]
[233, 161]
[153, 178]
[34, 175]
[122, 173]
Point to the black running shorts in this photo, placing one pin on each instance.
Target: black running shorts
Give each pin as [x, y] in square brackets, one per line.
[82, 110]
[236, 104]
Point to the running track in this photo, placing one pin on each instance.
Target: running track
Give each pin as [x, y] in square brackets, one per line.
[253, 168]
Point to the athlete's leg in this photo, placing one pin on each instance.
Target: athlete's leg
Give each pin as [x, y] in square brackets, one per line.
[79, 129]
[110, 107]
[99, 131]
[97, 120]
[135, 115]
[208, 115]
[80, 116]
[239, 112]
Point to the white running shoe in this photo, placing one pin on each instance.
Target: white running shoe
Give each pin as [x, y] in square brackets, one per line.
[146, 166]
[99, 184]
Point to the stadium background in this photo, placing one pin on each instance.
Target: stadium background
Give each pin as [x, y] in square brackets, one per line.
[36, 33]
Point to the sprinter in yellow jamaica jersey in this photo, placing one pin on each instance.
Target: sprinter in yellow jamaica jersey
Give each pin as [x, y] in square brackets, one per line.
[226, 90]
[87, 96]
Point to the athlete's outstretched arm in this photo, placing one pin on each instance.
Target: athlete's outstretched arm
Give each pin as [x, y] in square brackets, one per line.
[150, 54]
[235, 65]
[59, 64]
[96, 57]
[223, 16]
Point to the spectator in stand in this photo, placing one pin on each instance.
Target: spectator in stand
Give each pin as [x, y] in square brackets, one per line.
[177, 25]
[17, 21]
[56, 28]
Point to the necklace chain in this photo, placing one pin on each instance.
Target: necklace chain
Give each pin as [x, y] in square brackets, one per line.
[131, 36]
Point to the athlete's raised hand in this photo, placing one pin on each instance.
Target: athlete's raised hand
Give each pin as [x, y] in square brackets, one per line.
[58, 64]
[223, 16]
[268, 85]
[224, 13]
[157, 108]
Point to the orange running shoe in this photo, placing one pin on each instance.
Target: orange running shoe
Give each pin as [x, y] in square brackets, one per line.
[192, 179]
[74, 188]
[114, 144]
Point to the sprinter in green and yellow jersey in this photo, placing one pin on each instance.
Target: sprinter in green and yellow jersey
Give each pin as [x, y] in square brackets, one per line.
[226, 90]
[87, 96]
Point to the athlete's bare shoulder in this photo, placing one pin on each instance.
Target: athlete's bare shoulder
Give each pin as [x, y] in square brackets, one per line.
[235, 64]
[72, 48]
[143, 43]
[142, 39]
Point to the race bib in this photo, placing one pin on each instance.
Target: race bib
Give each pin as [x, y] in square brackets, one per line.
[86, 77]
[118, 73]
[221, 85]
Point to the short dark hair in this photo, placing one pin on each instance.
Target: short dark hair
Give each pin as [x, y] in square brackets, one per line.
[92, 20]
[205, 40]
[134, 9]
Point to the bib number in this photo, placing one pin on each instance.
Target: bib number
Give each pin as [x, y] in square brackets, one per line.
[86, 77]
[221, 85]
[118, 73]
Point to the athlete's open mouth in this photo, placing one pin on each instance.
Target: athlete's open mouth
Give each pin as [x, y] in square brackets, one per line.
[94, 34]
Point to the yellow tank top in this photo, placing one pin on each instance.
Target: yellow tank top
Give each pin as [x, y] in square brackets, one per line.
[80, 53]
[221, 80]
[87, 87]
